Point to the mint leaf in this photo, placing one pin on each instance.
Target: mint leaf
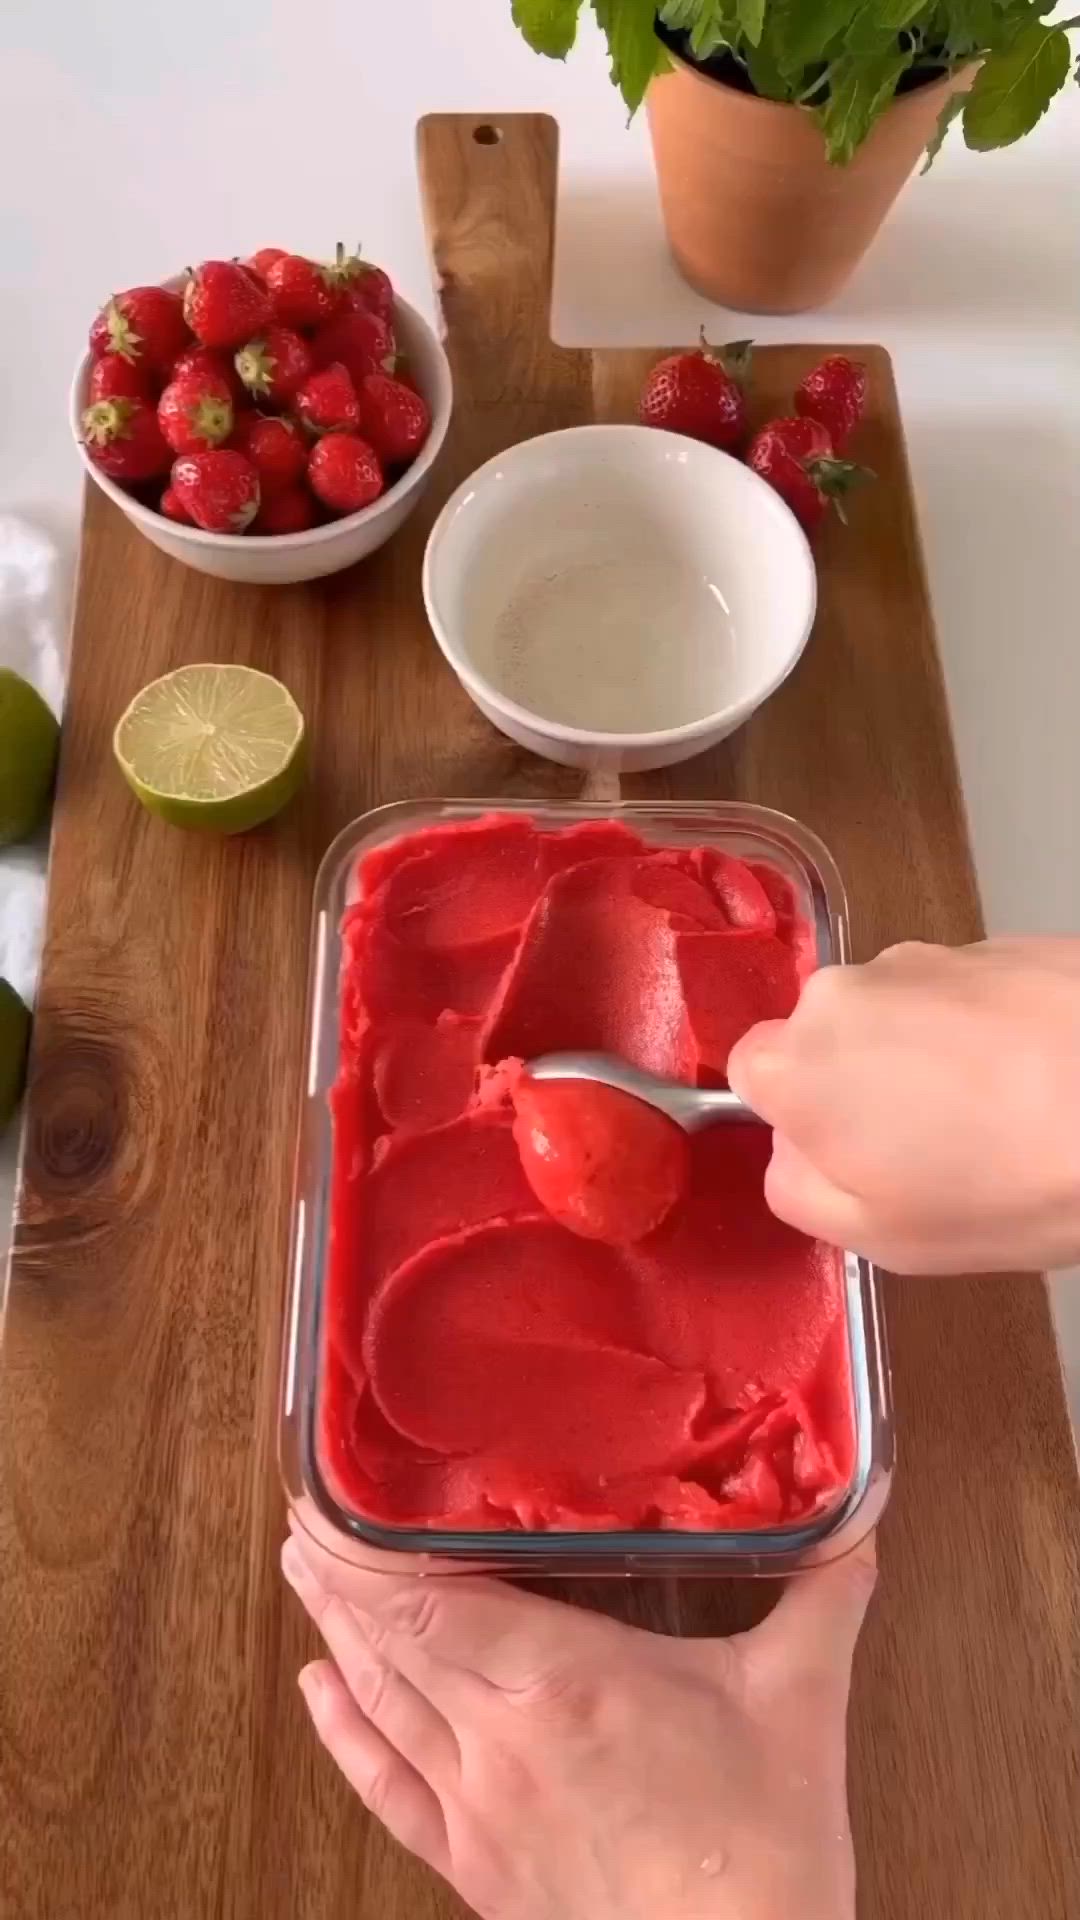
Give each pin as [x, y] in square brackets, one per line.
[680, 15]
[1013, 89]
[807, 28]
[549, 26]
[953, 105]
[892, 15]
[636, 54]
[859, 89]
[751, 15]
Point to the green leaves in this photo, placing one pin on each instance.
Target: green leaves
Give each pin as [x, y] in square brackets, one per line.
[953, 105]
[859, 90]
[549, 26]
[1013, 88]
[840, 59]
[636, 53]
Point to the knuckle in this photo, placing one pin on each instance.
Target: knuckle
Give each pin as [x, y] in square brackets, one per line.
[415, 1613]
[562, 1694]
[378, 1792]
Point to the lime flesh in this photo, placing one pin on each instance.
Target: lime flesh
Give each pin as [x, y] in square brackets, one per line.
[14, 1040]
[216, 748]
[29, 736]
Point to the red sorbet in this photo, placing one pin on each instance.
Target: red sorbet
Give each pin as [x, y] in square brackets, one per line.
[675, 1357]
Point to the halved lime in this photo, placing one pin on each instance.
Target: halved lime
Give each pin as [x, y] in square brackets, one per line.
[217, 748]
[14, 1040]
[29, 736]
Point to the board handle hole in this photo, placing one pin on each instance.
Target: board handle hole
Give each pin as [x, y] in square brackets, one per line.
[486, 135]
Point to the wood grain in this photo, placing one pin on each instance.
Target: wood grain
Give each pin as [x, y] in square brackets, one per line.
[154, 1760]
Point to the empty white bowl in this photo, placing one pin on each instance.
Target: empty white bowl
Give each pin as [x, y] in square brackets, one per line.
[616, 596]
[271, 560]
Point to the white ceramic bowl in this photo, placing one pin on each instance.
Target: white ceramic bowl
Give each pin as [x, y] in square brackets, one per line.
[616, 596]
[272, 560]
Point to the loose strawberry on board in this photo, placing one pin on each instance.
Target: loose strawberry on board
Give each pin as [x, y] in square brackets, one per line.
[219, 489]
[114, 378]
[394, 418]
[276, 448]
[145, 325]
[327, 402]
[207, 360]
[344, 472]
[123, 438]
[796, 457]
[302, 293]
[262, 261]
[290, 511]
[224, 304]
[196, 412]
[272, 366]
[173, 508]
[359, 340]
[699, 392]
[834, 392]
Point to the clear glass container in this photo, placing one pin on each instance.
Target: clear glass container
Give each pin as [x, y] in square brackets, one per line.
[747, 832]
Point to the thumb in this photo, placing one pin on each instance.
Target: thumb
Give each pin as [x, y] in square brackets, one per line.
[813, 1630]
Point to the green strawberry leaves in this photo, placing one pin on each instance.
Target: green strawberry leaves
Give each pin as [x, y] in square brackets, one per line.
[1013, 88]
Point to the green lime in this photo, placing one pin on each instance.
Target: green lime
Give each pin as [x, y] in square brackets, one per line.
[14, 1040]
[29, 736]
[220, 749]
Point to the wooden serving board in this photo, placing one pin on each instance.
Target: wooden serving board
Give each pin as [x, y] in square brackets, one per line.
[155, 1761]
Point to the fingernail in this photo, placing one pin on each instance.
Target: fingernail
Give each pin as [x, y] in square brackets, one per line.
[312, 1685]
[296, 1570]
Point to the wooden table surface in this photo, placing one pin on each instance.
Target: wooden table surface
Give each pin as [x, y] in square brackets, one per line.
[155, 1761]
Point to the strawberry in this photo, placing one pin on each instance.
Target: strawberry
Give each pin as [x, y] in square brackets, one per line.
[796, 457]
[276, 449]
[195, 412]
[274, 365]
[290, 511]
[204, 360]
[394, 418]
[359, 340]
[173, 508]
[145, 325]
[219, 489]
[302, 294]
[699, 393]
[834, 392]
[114, 378]
[262, 261]
[344, 472]
[365, 285]
[123, 438]
[224, 304]
[327, 402]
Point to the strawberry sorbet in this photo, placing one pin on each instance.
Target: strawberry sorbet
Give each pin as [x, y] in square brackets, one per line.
[566, 1315]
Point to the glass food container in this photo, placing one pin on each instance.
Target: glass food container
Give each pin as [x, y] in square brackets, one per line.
[747, 832]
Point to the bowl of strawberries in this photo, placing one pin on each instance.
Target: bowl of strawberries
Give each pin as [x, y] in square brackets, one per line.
[268, 421]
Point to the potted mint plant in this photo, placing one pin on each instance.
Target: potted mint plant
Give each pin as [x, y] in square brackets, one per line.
[784, 129]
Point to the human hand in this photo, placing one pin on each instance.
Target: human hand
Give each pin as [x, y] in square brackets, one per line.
[926, 1106]
[553, 1764]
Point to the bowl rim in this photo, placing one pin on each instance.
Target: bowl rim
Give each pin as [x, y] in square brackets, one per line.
[481, 688]
[278, 542]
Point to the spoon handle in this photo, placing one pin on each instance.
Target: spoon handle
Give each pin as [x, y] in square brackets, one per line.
[716, 1106]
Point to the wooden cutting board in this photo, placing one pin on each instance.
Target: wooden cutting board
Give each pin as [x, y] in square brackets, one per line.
[155, 1762]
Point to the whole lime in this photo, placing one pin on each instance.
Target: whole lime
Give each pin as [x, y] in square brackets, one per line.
[14, 1040]
[29, 736]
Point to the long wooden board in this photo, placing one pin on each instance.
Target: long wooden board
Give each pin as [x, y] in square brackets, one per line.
[155, 1763]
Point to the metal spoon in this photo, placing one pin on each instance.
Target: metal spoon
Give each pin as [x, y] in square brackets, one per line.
[691, 1108]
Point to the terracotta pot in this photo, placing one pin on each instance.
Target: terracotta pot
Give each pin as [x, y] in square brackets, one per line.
[755, 215]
